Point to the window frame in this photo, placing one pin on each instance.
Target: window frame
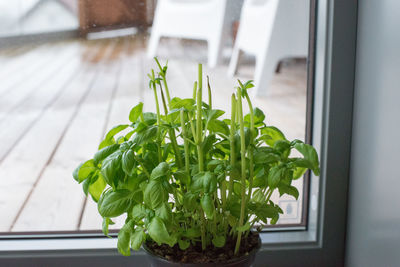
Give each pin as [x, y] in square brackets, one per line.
[322, 243]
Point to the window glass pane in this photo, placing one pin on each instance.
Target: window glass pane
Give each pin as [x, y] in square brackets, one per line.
[21, 17]
[59, 98]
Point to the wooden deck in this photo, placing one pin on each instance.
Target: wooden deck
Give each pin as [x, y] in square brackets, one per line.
[57, 101]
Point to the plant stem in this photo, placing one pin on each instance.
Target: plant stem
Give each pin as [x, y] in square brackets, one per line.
[252, 136]
[171, 133]
[195, 91]
[185, 144]
[209, 94]
[200, 150]
[232, 143]
[163, 75]
[203, 230]
[158, 119]
[243, 175]
[199, 123]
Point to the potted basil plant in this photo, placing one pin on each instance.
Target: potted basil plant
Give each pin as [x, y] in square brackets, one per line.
[193, 186]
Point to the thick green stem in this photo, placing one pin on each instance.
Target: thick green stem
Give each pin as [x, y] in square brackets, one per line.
[243, 174]
[200, 150]
[158, 119]
[164, 75]
[199, 123]
[203, 230]
[171, 133]
[232, 143]
[251, 147]
[194, 91]
[209, 93]
[185, 143]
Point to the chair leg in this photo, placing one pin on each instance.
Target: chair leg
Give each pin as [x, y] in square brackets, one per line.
[153, 44]
[234, 61]
[264, 72]
[214, 49]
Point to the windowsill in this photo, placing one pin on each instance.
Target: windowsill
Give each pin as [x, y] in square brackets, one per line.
[107, 246]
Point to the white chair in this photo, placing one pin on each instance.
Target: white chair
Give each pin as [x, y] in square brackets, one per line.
[191, 19]
[271, 30]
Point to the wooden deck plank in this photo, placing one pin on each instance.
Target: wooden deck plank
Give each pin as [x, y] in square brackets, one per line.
[23, 92]
[14, 71]
[46, 196]
[65, 193]
[22, 118]
[126, 96]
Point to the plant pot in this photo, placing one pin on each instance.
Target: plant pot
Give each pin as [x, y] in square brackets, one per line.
[244, 261]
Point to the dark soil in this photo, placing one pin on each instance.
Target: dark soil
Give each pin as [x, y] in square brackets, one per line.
[194, 254]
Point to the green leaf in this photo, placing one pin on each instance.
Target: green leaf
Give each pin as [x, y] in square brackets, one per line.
[106, 142]
[213, 114]
[258, 196]
[128, 162]
[150, 133]
[97, 188]
[114, 203]
[290, 190]
[259, 117]
[207, 143]
[204, 181]
[155, 194]
[207, 205]
[105, 224]
[219, 241]
[263, 211]
[158, 232]
[75, 173]
[234, 209]
[138, 212]
[265, 157]
[124, 237]
[244, 227]
[135, 112]
[190, 201]
[109, 139]
[309, 154]
[137, 238]
[85, 185]
[177, 103]
[161, 170]
[283, 147]
[183, 244]
[165, 213]
[103, 153]
[217, 126]
[149, 118]
[299, 172]
[193, 232]
[110, 167]
[275, 175]
[272, 134]
[85, 170]
[182, 176]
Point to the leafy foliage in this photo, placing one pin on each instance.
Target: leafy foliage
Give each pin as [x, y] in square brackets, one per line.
[190, 176]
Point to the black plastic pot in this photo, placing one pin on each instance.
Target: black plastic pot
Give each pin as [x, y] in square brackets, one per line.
[244, 261]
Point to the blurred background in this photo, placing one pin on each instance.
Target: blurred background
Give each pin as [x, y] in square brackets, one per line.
[72, 69]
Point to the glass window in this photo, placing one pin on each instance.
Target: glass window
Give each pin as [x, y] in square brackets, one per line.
[56, 95]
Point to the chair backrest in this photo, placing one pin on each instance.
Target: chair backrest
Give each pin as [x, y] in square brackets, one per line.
[189, 18]
[256, 24]
[260, 19]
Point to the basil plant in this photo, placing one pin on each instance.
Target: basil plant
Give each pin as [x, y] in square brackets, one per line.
[184, 175]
